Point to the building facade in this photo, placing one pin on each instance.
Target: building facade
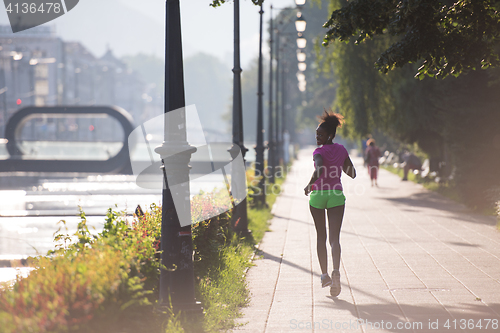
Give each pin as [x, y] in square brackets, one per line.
[37, 68]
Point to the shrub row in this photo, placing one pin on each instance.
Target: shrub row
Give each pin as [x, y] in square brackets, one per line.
[108, 282]
[85, 275]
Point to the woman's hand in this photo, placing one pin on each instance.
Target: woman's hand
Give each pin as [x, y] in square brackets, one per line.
[348, 168]
[308, 189]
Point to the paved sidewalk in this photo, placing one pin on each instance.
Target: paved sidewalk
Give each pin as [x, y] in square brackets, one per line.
[412, 261]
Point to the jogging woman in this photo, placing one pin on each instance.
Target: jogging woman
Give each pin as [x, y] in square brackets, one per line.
[326, 193]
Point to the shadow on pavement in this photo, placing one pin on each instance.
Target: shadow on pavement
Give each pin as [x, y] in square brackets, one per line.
[458, 318]
[290, 219]
[434, 201]
[269, 256]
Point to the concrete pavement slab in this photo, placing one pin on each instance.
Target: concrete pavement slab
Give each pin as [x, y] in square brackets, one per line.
[412, 261]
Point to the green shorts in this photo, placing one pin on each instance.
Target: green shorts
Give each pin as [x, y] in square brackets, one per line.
[326, 199]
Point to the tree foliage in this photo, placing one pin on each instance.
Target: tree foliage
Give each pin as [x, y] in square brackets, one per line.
[217, 3]
[453, 120]
[449, 37]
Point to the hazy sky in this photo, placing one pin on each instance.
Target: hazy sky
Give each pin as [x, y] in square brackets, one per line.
[211, 30]
[132, 26]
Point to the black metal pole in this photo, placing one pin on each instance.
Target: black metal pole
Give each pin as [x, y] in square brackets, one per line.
[270, 136]
[3, 92]
[239, 216]
[32, 85]
[284, 78]
[259, 148]
[279, 143]
[77, 89]
[177, 281]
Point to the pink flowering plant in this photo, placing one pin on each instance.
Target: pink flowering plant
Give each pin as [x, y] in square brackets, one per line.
[212, 234]
[108, 277]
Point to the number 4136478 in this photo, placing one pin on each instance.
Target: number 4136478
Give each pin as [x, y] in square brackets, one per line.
[25, 8]
[470, 324]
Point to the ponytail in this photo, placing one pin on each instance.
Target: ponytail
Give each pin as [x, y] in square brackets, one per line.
[329, 121]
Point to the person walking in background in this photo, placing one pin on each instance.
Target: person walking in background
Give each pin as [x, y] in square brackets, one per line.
[371, 158]
[411, 162]
[364, 145]
[326, 194]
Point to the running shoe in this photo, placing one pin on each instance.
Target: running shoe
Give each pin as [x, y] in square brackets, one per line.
[335, 287]
[326, 281]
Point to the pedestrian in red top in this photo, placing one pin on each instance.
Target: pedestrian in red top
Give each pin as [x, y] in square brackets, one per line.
[371, 157]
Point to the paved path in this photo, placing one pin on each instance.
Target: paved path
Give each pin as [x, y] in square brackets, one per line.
[412, 261]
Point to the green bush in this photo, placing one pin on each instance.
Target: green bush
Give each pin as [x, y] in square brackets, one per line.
[108, 282]
[75, 283]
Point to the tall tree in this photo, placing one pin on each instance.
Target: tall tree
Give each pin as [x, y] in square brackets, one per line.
[448, 36]
[455, 115]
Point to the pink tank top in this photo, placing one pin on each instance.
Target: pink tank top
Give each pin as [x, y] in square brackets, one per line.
[333, 156]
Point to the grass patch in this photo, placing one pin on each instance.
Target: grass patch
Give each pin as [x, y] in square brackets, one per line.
[447, 189]
[259, 216]
[223, 291]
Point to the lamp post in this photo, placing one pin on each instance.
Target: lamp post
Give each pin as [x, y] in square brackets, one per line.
[259, 148]
[270, 136]
[177, 281]
[239, 216]
[77, 86]
[301, 57]
[280, 121]
[3, 92]
[285, 140]
[279, 141]
[281, 80]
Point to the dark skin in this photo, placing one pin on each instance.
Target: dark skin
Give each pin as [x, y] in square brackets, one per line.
[335, 214]
[323, 138]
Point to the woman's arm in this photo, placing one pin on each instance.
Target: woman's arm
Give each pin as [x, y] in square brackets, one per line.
[318, 162]
[348, 168]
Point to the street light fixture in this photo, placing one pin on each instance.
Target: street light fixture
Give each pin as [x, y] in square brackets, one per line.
[301, 56]
[300, 2]
[301, 42]
[302, 86]
[16, 55]
[300, 23]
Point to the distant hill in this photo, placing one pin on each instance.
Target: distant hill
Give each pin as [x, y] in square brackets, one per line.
[207, 82]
